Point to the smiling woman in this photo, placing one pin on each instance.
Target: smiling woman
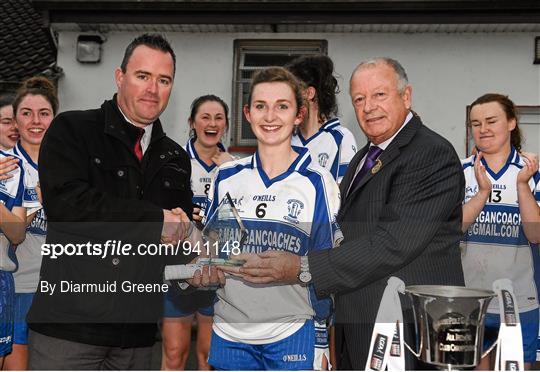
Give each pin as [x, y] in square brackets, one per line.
[8, 131]
[287, 202]
[35, 106]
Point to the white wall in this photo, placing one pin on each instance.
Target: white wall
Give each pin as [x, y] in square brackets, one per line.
[447, 72]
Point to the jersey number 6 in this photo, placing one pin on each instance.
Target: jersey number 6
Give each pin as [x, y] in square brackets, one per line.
[260, 211]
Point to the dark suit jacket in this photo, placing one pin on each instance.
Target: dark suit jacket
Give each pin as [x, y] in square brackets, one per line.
[96, 190]
[403, 221]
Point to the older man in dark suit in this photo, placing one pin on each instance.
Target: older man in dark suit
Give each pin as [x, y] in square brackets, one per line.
[400, 214]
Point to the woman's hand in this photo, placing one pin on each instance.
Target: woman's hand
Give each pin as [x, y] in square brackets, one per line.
[222, 157]
[484, 184]
[7, 164]
[529, 169]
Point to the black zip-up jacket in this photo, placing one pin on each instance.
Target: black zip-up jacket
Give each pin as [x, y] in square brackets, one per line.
[95, 190]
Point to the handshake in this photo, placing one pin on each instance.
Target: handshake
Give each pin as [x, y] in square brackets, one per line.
[176, 226]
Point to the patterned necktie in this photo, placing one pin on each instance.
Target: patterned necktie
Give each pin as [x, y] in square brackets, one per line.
[138, 148]
[372, 155]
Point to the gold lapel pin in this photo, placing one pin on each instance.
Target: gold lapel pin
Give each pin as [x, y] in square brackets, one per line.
[377, 167]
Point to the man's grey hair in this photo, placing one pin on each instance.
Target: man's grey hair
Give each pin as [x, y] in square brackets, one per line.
[402, 78]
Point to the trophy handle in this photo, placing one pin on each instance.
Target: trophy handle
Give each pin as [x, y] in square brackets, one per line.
[416, 354]
[489, 349]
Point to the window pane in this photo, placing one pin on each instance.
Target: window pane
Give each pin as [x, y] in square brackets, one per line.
[264, 60]
[253, 55]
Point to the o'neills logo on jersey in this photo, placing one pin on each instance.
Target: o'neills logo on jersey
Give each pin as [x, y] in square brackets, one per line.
[295, 358]
[379, 348]
[323, 159]
[509, 309]
[264, 198]
[294, 207]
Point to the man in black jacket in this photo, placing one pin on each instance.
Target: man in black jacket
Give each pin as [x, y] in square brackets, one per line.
[113, 184]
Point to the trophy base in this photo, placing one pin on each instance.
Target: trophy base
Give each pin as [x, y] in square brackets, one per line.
[450, 367]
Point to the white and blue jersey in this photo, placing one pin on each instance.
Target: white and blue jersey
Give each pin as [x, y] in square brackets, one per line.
[31, 178]
[12, 189]
[11, 195]
[495, 245]
[201, 174]
[28, 252]
[333, 147]
[11, 192]
[294, 212]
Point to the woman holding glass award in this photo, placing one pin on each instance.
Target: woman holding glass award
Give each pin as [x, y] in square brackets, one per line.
[208, 121]
[499, 215]
[286, 202]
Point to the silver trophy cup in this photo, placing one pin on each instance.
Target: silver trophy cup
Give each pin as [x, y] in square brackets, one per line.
[449, 323]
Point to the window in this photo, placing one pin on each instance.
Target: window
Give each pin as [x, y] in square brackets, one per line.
[253, 55]
[529, 123]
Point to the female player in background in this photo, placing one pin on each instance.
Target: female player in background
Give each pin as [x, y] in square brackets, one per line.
[208, 121]
[287, 202]
[329, 143]
[34, 106]
[8, 130]
[12, 220]
[501, 181]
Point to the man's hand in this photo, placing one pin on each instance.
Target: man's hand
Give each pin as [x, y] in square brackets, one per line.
[7, 164]
[268, 267]
[176, 226]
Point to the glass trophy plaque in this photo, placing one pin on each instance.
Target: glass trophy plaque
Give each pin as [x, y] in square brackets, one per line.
[224, 233]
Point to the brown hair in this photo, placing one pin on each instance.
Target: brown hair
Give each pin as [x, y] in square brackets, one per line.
[317, 71]
[37, 86]
[509, 109]
[278, 75]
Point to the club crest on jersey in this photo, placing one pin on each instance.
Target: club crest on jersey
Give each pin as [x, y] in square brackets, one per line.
[323, 159]
[294, 207]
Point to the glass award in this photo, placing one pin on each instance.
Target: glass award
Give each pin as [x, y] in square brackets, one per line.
[224, 234]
